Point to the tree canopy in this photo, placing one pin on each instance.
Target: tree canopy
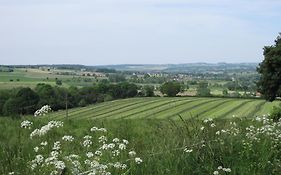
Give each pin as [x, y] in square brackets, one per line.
[269, 84]
[171, 88]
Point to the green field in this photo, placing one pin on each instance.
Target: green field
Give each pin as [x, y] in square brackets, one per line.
[31, 77]
[170, 108]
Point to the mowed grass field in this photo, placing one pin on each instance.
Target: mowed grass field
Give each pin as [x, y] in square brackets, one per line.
[170, 108]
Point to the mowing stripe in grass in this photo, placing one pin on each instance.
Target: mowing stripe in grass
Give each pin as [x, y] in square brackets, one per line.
[257, 109]
[253, 109]
[146, 106]
[213, 113]
[158, 106]
[192, 112]
[174, 109]
[177, 112]
[117, 110]
[246, 109]
[90, 107]
[100, 110]
[266, 109]
[110, 108]
[200, 114]
[234, 109]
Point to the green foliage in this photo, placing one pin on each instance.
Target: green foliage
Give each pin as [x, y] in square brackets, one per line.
[148, 91]
[27, 100]
[203, 89]
[116, 77]
[171, 89]
[225, 92]
[82, 103]
[270, 70]
[11, 107]
[167, 147]
[275, 114]
[58, 82]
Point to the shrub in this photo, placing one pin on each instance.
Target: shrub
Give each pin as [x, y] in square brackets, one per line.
[275, 114]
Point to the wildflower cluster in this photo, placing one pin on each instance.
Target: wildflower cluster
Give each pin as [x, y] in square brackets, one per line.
[26, 124]
[222, 170]
[210, 122]
[267, 129]
[45, 129]
[98, 154]
[43, 111]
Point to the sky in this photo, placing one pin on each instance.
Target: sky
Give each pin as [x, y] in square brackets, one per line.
[101, 32]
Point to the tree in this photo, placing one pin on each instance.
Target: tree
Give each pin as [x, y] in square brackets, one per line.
[148, 91]
[171, 88]
[269, 84]
[46, 94]
[11, 107]
[27, 100]
[203, 89]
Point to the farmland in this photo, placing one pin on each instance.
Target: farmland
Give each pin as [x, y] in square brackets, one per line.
[170, 108]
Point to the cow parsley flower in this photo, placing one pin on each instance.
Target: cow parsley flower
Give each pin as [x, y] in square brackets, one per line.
[132, 153]
[188, 150]
[138, 160]
[89, 154]
[67, 138]
[26, 124]
[43, 111]
[216, 173]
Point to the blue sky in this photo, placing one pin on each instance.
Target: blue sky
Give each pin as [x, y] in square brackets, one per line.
[97, 32]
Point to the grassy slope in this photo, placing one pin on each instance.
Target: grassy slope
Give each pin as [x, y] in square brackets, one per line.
[159, 143]
[159, 107]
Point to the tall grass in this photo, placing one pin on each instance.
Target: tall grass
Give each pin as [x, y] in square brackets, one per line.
[220, 146]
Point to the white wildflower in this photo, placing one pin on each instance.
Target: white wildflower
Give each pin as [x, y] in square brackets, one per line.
[68, 138]
[43, 111]
[98, 153]
[188, 150]
[122, 146]
[138, 160]
[87, 143]
[228, 170]
[89, 154]
[56, 145]
[115, 140]
[216, 173]
[132, 153]
[125, 141]
[102, 139]
[60, 165]
[36, 149]
[44, 143]
[26, 124]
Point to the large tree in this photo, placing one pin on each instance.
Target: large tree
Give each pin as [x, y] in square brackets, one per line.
[171, 88]
[269, 84]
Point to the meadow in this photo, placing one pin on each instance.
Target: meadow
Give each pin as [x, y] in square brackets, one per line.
[170, 108]
[177, 147]
[30, 77]
[157, 136]
[141, 135]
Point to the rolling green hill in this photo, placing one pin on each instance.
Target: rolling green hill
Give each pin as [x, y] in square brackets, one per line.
[170, 108]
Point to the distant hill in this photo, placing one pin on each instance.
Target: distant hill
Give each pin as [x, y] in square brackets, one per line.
[177, 68]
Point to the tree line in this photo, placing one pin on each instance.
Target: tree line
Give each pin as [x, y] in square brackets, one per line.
[22, 101]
